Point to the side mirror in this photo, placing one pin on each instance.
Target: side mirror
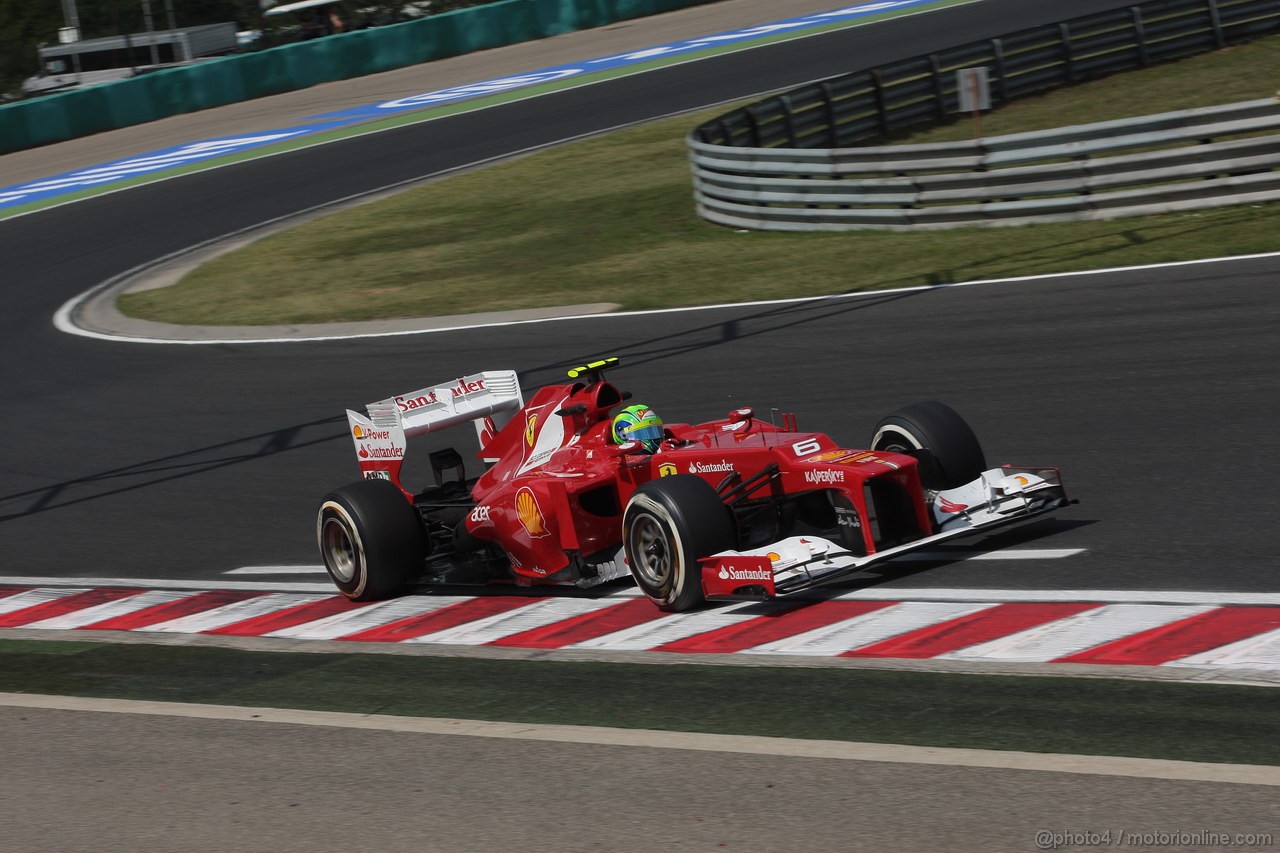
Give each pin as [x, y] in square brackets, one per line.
[631, 448]
[739, 422]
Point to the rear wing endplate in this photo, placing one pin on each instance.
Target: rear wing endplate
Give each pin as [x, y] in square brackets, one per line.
[489, 399]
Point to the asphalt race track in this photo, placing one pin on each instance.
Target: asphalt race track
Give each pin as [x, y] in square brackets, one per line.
[1155, 390]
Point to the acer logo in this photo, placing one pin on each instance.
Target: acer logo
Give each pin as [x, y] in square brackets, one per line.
[479, 515]
[728, 573]
[408, 404]
[824, 477]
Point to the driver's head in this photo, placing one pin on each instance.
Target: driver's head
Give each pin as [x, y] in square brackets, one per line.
[638, 423]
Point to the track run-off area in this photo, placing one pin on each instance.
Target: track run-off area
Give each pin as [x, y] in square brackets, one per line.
[1148, 386]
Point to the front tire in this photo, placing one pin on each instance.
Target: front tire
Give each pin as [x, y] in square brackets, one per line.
[948, 452]
[669, 524]
[371, 540]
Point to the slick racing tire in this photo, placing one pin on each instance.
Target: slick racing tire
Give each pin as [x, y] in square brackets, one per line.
[948, 452]
[668, 525]
[371, 540]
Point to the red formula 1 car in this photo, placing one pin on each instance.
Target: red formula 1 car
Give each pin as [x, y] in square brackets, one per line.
[734, 508]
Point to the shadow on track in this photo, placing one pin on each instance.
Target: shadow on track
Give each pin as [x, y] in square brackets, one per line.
[167, 468]
[774, 319]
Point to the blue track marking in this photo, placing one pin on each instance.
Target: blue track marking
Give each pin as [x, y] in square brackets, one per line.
[166, 159]
[160, 160]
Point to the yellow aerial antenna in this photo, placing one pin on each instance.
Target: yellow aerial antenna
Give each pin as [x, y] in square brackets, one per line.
[593, 371]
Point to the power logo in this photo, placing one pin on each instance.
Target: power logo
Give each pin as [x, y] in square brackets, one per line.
[530, 514]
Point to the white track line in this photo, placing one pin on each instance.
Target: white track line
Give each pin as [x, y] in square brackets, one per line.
[1003, 554]
[1101, 596]
[1096, 765]
[168, 583]
[277, 570]
[876, 593]
[63, 318]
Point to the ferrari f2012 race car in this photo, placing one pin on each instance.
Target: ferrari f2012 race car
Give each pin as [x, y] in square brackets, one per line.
[728, 509]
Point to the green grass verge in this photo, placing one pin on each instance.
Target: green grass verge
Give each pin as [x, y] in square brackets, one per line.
[1190, 722]
[611, 220]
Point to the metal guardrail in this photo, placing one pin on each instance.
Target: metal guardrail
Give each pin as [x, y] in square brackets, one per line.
[1150, 164]
[786, 163]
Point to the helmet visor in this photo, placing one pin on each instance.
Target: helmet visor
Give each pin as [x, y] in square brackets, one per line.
[645, 432]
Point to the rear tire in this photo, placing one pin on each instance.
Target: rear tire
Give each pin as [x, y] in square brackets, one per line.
[371, 540]
[948, 452]
[669, 524]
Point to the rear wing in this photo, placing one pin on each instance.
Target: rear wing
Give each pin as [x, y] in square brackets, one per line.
[490, 399]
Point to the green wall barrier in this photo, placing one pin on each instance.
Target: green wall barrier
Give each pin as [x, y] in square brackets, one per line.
[67, 115]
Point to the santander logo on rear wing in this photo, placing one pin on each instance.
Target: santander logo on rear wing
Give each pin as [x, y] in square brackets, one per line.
[489, 399]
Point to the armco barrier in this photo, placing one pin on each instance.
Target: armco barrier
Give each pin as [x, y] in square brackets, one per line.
[877, 103]
[829, 117]
[1151, 164]
[82, 112]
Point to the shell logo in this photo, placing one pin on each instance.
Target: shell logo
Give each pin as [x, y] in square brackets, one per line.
[1021, 480]
[774, 557]
[357, 431]
[530, 429]
[530, 514]
[666, 469]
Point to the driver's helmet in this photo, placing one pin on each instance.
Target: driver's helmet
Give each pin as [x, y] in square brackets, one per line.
[638, 423]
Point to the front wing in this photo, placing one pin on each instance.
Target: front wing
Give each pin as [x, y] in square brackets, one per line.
[1001, 496]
